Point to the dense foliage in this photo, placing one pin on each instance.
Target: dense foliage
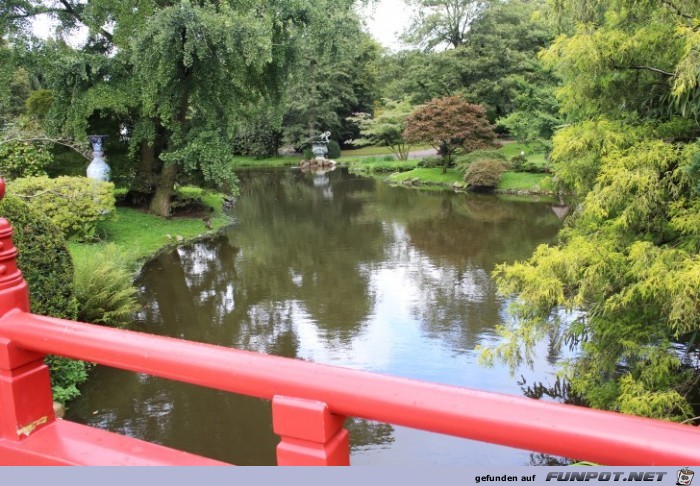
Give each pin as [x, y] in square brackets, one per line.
[451, 126]
[334, 76]
[104, 289]
[74, 204]
[23, 159]
[179, 83]
[484, 174]
[385, 128]
[628, 262]
[48, 269]
[43, 259]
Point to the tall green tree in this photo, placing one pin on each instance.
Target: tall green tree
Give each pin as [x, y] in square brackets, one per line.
[494, 64]
[174, 76]
[442, 22]
[334, 77]
[628, 261]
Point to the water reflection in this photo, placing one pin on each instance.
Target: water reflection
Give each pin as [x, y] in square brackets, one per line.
[336, 269]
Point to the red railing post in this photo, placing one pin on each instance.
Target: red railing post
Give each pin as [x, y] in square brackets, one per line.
[311, 435]
[25, 388]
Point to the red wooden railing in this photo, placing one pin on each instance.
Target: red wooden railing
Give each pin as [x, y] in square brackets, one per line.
[309, 401]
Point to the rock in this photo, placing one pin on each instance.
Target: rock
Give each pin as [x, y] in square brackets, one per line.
[59, 410]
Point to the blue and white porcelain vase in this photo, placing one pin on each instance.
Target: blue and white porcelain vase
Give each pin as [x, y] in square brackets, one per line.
[98, 168]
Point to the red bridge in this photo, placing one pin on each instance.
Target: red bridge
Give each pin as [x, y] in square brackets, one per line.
[310, 402]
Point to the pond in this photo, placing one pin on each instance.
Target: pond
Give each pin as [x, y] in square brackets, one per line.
[336, 269]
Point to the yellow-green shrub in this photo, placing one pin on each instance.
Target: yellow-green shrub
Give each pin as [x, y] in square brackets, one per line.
[74, 204]
[23, 159]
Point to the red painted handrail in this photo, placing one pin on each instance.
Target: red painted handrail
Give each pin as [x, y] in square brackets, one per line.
[604, 437]
[309, 401]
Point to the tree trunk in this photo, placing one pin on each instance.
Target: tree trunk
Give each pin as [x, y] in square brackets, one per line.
[145, 174]
[160, 204]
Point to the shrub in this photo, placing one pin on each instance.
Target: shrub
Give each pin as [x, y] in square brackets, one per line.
[48, 270]
[308, 153]
[260, 135]
[518, 162]
[66, 375]
[430, 162]
[104, 290]
[257, 141]
[484, 173]
[74, 204]
[466, 160]
[23, 159]
[333, 150]
[534, 168]
[43, 258]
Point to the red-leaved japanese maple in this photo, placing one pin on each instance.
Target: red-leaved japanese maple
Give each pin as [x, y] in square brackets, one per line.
[452, 126]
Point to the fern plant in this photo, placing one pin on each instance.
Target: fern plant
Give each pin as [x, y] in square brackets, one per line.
[104, 290]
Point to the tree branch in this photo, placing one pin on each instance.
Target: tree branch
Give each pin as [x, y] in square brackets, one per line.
[70, 10]
[677, 10]
[66, 143]
[647, 68]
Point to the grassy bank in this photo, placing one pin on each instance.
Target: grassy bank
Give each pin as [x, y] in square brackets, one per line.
[139, 235]
[364, 151]
[510, 181]
[408, 173]
[251, 162]
[378, 165]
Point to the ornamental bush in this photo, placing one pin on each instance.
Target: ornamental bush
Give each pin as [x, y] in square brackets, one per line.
[466, 160]
[23, 159]
[484, 174]
[333, 150]
[48, 269]
[74, 204]
[43, 258]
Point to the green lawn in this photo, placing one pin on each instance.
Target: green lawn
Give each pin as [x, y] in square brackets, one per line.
[378, 164]
[251, 162]
[524, 181]
[510, 181]
[139, 235]
[429, 176]
[376, 151]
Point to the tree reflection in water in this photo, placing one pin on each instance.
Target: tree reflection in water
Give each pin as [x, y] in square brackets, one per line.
[341, 270]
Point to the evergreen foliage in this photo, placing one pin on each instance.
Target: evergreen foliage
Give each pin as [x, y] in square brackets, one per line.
[48, 269]
[333, 150]
[74, 204]
[627, 265]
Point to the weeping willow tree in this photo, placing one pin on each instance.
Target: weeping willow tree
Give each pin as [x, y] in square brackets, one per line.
[627, 260]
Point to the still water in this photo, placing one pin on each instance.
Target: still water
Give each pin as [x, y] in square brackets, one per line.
[334, 269]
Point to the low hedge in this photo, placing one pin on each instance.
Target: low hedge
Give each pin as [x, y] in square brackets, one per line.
[48, 269]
